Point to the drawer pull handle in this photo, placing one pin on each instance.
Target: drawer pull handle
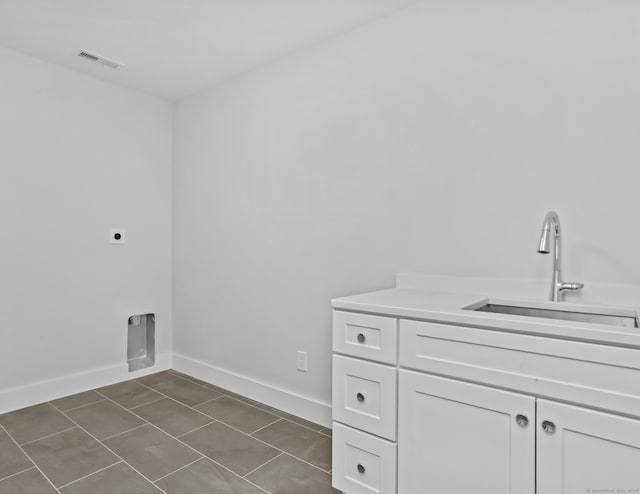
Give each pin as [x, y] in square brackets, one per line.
[522, 420]
[361, 338]
[360, 468]
[548, 426]
[360, 397]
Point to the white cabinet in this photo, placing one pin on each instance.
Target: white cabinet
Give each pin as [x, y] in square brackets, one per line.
[460, 437]
[582, 451]
[458, 408]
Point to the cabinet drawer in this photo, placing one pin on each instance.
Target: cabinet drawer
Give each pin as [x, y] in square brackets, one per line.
[362, 464]
[364, 396]
[365, 336]
[573, 371]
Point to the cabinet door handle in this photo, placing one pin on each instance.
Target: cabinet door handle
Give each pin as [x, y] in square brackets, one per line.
[361, 338]
[360, 397]
[361, 468]
[548, 426]
[522, 420]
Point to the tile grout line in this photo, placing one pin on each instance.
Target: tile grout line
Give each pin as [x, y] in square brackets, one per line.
[168, 372]
[250, 435]
[111, 451]
[213, 421]
[165, 396]
[74, 408]
[162, 397]
[34, 463]
[254, 403]
[131, 410]
[282, 450]
[123, 432]
[89, 475]
[275, 447]
[178, 469]
[18, 473]
[49, 435]
[278, 412]
[292, 455]
[179, 374]
[204, 402]
[268, 425]
[238, 430]
[202, 455]
[180, 403]
[259, 467]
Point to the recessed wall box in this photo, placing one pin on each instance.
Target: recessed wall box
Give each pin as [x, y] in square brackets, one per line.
[141, 341]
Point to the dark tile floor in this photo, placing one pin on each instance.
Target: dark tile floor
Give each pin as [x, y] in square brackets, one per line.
[166, 432]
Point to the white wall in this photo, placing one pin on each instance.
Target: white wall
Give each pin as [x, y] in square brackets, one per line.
[432, 141]
[77, 157]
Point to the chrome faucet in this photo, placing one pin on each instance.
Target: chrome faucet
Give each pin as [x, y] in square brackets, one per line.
[552, 225]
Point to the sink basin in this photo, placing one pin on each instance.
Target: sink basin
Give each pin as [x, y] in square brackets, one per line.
[613, 318]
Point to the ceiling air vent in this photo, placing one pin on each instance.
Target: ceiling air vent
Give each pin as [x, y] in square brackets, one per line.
[93, 57]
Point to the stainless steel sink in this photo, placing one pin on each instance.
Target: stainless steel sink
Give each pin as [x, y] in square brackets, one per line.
[612, 319]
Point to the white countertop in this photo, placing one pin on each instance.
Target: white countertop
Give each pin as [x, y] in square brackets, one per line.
[448, 307]
[407, 302]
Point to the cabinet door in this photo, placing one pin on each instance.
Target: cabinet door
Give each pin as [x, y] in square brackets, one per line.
[459, 437]
[581, 451]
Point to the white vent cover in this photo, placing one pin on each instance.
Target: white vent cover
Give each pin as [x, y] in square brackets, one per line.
[94, 57]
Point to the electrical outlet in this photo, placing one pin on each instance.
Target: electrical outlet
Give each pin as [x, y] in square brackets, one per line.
[117, 236]
[302, 361]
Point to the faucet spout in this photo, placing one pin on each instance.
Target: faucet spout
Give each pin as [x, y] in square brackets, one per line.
[551, 228]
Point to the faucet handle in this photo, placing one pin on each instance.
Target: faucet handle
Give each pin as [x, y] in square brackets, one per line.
[573, 286]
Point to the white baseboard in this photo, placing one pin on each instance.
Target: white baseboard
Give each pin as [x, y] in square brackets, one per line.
[42, 391]
[290, 402]
[51, 389]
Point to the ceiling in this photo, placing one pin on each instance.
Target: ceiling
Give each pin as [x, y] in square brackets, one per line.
[172, 48]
